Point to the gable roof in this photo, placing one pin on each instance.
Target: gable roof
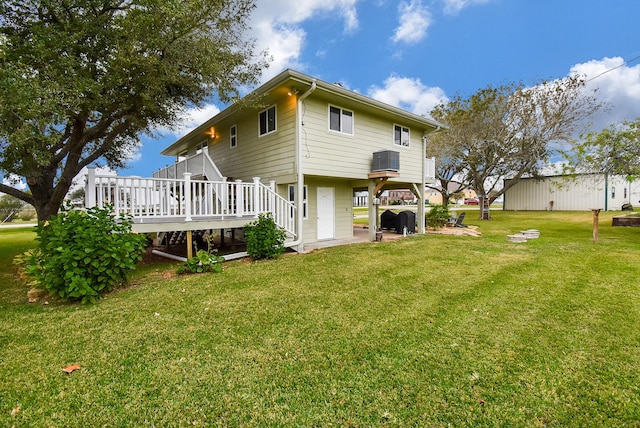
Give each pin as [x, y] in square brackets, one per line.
[291, 80]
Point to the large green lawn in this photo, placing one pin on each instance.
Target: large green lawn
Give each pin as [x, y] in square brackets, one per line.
[430, 330]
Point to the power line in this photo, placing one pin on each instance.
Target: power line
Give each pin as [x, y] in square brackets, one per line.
[611, 69]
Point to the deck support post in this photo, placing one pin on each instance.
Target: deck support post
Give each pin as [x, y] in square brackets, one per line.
[189, 244]
[373, 210]
[421, 213]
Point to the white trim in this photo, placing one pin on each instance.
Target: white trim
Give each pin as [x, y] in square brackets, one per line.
[275, 120]
[233, 137]
[402, 129]
[342, 110]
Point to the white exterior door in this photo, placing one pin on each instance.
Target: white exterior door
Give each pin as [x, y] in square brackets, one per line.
[326, 213]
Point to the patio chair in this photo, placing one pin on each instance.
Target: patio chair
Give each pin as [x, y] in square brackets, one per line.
[460, 220]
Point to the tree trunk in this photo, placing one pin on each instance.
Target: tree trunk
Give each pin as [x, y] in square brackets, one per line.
[47, 197]
[45, 211]
[445, 197]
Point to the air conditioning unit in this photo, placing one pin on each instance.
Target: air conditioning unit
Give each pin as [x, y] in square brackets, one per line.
[386, 160]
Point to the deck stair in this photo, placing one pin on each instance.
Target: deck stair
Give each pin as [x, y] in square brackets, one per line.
[179, 237]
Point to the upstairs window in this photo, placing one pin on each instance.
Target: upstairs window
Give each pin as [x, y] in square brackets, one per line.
[401, 136]
[233, 136]
[267, 121]
[340, 120]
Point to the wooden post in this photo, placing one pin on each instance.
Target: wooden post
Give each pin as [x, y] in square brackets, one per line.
[233, 239]
[189, 244]
[596, 213]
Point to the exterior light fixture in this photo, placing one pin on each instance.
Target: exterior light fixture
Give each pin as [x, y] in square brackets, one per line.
[211, 133]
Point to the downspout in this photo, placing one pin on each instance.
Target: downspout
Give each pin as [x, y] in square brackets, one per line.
[300, 175]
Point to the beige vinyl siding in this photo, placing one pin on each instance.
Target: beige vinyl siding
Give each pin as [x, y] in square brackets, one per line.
[333, 154]
[343, 194]
[343, 209]
[270, 157]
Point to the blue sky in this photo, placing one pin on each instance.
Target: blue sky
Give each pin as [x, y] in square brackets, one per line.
[415, 54]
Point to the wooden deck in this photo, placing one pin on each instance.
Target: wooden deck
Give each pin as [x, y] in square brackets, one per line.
[164, 224]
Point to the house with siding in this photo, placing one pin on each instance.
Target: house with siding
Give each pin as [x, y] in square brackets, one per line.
[302, 153]
[572, 193]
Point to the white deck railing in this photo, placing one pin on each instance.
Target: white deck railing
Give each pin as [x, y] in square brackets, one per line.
[198, 164]
[162, 199]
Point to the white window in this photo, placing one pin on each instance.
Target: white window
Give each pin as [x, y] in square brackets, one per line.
[401, 136]
[201, 147]
[340, 120]
[292, 198]
[233, 136]
[267, 121]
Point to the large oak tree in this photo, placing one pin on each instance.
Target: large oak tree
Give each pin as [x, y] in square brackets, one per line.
[509, 131]
[83, 79]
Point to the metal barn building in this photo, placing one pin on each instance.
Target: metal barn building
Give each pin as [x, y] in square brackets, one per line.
[572, 193]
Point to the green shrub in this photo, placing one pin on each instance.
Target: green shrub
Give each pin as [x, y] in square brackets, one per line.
[27, 215]
[265, 239]
[437, 216]
[82, 254]
[202, 262]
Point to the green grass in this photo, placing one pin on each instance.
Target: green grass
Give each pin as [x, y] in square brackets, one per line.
[430, 330]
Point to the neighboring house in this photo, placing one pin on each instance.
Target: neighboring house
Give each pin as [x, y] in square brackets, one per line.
[435, 197]
[571, 193]
[398, 197]
[305, 153]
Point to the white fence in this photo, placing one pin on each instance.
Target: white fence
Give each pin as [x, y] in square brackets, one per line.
[149, 199]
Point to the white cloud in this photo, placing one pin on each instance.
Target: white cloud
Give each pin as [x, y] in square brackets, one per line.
[284, 44]
[414, 19]
[453, 7]
[617, 84]
[275, 26]
[409, 94]
[295, 12]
